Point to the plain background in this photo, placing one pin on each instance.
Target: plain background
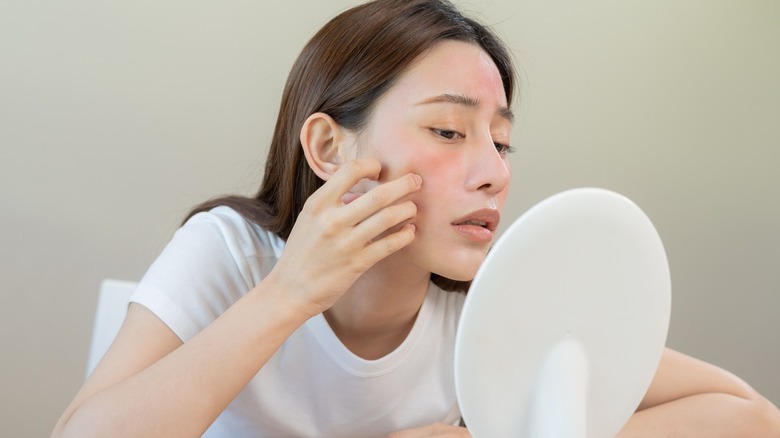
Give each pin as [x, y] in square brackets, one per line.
[116, 117]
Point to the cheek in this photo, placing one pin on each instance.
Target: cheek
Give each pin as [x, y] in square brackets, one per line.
[504, 195]
[501, 198]
[431, 167]
[407, 152]
[412, 154]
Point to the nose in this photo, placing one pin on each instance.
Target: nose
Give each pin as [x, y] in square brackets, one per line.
[489, 170]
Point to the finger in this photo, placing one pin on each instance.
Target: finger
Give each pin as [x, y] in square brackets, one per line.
[383, 195]
[383, 220]
[383, 247]
[349, 174]
[349, 197]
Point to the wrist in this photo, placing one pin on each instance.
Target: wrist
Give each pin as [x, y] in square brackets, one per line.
[279, 297]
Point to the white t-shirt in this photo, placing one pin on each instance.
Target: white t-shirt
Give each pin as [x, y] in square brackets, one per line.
[313, 386]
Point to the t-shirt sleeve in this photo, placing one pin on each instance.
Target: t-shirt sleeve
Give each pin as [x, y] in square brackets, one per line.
[198, 275]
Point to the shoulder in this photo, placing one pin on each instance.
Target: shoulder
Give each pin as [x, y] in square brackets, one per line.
[232, 224]
[210, 263]
[242, 237]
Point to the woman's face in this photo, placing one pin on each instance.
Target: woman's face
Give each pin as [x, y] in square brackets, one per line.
[446, 119]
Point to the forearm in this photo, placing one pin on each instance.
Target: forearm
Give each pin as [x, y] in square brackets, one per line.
[182, 393]
[710, 414]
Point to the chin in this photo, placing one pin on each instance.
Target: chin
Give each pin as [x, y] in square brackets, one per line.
[458, 277]
[458, 271]
[455, 262]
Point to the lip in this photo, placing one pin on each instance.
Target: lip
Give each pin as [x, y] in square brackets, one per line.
[489, 216]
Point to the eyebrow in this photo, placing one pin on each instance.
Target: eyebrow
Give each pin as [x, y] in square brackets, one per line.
[468, 101]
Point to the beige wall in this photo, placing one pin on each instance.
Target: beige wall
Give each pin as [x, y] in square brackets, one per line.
[115, 117]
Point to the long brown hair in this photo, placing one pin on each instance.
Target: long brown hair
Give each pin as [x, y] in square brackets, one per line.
[342, 71]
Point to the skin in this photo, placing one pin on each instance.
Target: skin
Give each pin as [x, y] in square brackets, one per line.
[452, 146]
[362, 252]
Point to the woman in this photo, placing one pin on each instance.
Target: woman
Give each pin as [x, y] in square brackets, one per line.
[327, 304]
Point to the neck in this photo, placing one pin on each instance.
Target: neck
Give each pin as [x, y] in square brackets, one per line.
[376, 314]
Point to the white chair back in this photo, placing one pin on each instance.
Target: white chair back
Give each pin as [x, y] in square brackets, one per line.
[111, 310]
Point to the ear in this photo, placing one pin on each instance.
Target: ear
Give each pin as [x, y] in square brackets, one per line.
[325, 144]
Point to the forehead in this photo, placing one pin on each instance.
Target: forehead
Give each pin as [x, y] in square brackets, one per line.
[455, 68]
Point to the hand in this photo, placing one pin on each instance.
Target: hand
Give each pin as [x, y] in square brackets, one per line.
[337, 237]
[434, 430]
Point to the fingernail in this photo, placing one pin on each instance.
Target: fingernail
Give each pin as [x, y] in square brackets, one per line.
[417, 179]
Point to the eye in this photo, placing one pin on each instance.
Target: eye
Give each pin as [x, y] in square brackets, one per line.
[447, 134]
[504, 149]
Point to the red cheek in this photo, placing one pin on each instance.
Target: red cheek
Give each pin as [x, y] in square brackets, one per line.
[405, 161]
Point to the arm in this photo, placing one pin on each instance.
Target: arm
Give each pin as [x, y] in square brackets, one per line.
[689, 397]
[151, 384]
